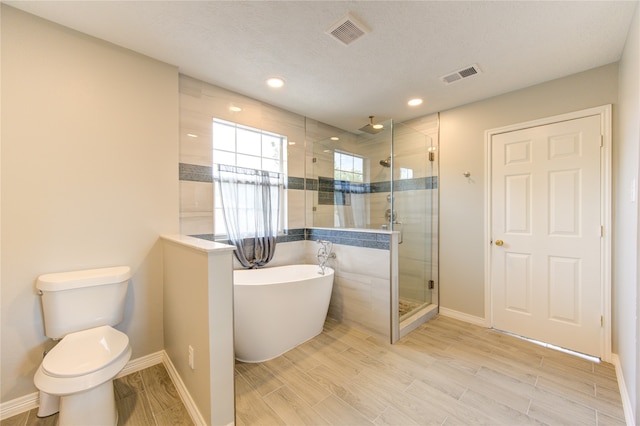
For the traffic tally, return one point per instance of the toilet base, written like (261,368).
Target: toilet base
(95,406)
(48,404)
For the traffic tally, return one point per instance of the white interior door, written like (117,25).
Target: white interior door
(546,230)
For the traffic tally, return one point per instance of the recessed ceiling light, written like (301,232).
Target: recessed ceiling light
(335,138)
(234,108)
(415,102)
(292,143)
(275,82)
(192,135)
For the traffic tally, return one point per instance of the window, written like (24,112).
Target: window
(406,173)
(251,148)
(348,167)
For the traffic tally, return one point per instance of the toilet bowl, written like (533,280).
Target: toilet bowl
(80,369)
(76,376)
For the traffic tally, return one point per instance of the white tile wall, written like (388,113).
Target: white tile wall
(295,208)
(361,288)
(196,208)
(199,104)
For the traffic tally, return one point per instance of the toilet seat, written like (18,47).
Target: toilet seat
(67,369)
(85,351)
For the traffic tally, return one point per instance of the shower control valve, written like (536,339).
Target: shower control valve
(324,254)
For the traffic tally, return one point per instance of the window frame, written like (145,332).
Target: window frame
(218,215)
(354,156)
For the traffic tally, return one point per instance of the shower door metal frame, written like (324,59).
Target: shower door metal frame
(394,267)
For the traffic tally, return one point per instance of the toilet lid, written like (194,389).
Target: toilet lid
(84,352)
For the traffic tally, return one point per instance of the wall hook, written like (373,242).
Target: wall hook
(467,174)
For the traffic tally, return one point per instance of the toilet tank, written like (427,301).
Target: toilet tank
(78,300)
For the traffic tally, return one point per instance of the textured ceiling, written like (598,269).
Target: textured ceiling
(411,45)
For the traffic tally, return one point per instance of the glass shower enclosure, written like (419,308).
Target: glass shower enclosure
(387,180)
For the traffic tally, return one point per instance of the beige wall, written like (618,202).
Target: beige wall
(89,178)
(462,221)
(626,152)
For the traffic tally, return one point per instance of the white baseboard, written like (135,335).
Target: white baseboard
(188,402)
(142,363)
(19,405)
(462,316)
(624,394)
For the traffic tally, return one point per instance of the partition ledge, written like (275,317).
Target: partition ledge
(197,243)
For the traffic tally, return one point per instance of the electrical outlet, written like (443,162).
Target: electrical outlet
(191,363)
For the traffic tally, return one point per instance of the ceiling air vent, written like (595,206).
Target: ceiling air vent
(348,29)
(460,74)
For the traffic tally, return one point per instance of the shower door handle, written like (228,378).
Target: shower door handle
(401,226)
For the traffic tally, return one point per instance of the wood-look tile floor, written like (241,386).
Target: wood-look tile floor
(144,398)
(446,372)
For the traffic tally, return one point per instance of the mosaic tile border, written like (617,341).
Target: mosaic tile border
(329,185)
(289,236)
(196,173)
(295,182)
(376,240)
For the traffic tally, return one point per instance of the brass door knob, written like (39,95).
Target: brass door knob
(499,243)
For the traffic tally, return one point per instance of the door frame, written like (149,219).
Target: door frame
(604,112)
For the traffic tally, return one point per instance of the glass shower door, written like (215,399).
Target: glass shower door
(412,215)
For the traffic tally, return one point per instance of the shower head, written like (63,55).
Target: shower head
(372,128)
(386,163)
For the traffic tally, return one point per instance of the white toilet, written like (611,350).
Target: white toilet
(80,307)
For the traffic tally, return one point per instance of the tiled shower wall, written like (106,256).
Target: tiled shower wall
(364,205)
(200,103)
(362,283)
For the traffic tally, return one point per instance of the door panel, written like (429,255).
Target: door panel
(564,289)
(546,279)
(518,273)
(518,204)
(564,194)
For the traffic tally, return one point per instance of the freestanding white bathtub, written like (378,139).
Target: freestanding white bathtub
(276,309)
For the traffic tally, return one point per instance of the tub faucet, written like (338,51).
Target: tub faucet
(325,252)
